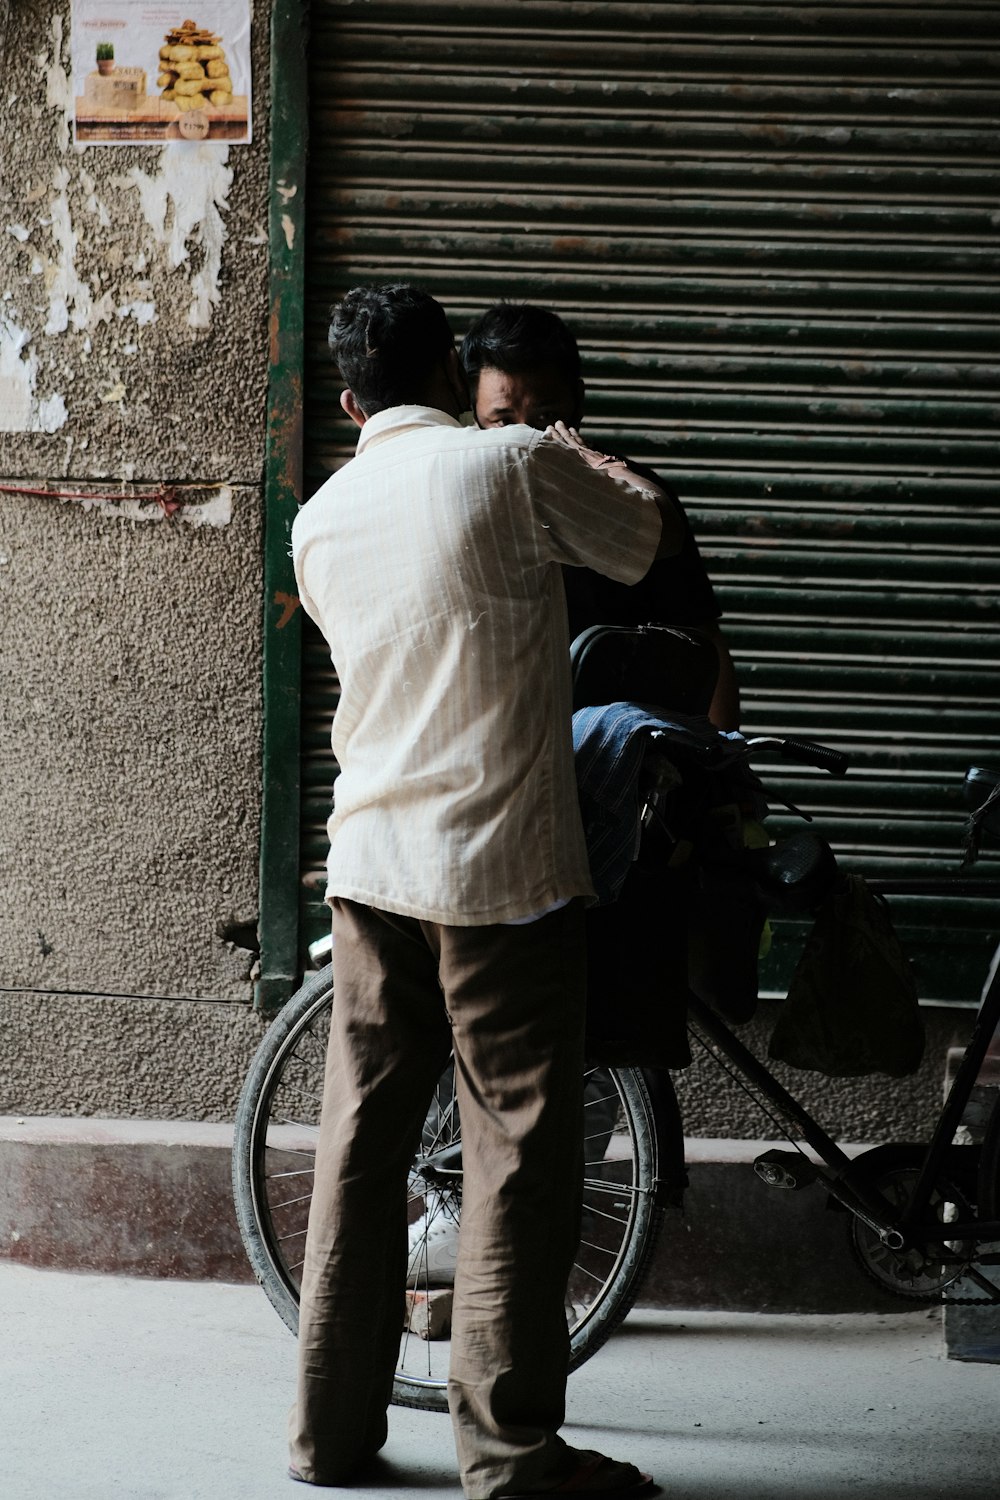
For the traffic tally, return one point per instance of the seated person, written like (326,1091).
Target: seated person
(523,365)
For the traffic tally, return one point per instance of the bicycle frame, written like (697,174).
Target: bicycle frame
(898,1229)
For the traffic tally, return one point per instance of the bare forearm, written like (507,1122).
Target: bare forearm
(724,711)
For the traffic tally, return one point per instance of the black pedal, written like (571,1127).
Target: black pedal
(785,1169)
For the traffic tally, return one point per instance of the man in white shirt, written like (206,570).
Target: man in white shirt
(457,876)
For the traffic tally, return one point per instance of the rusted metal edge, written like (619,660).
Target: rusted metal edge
(279,841)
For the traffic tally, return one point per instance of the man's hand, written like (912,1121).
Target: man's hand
(671,531)
(570,438)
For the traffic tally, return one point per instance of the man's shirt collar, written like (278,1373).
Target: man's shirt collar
(396,419)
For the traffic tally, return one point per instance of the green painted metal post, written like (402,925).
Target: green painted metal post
(279,843)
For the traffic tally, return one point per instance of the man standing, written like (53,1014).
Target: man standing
(457,875)
(523,365)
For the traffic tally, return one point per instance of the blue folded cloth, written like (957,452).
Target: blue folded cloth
(610,741)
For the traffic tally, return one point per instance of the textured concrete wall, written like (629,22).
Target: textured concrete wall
(133,356)
(129,776)
(123,1057)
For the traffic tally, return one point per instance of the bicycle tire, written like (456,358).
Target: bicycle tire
(276,1122)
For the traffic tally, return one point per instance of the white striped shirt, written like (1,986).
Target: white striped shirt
(431,564)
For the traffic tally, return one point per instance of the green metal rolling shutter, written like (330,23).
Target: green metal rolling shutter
(775,230)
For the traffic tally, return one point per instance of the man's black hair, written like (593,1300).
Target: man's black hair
(517,338)
(387,341)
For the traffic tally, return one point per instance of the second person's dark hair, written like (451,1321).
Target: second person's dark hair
(516,337)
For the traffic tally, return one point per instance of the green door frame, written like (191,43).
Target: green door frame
(282,669)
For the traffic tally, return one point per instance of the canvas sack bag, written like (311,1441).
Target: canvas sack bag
(852,1003)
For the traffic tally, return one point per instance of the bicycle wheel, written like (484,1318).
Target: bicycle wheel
(273,1153)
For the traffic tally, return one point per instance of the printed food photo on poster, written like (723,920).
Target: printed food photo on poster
(145,73)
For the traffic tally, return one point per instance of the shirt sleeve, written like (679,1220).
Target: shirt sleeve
(300,551)
(591,519)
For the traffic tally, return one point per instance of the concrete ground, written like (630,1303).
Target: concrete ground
(119,1389)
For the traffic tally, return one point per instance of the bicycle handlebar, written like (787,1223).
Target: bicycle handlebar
(713,756)
(803,752)
(807,752)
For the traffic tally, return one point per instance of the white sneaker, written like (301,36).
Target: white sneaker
(433,1246)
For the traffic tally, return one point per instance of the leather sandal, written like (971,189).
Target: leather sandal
(597,1478)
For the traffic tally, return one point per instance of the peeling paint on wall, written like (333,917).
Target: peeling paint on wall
(142,312)
(58,91)
(196,505)
(92,203)
(20,410)
(69,297)
(132,281)
(215,511)
(184,204)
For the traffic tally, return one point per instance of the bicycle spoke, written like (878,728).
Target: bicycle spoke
(290,1203)
(585,1271)
(599,1249)
(603,1214)
(296,1124)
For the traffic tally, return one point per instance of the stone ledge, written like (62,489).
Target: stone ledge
(139,1197)
(153,1198)
(74,1130)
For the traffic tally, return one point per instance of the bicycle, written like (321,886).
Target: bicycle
(919,1217)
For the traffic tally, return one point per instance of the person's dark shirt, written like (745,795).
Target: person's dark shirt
(676,590)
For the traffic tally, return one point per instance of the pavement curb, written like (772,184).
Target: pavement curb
(154,1198)
(136,1197)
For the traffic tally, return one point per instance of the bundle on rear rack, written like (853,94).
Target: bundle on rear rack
(686,876)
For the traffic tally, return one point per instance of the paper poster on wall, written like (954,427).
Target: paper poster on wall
(145,72)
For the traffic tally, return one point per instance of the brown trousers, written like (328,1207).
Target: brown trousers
(510,1001)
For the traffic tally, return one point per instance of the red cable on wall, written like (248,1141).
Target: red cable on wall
(165,498)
